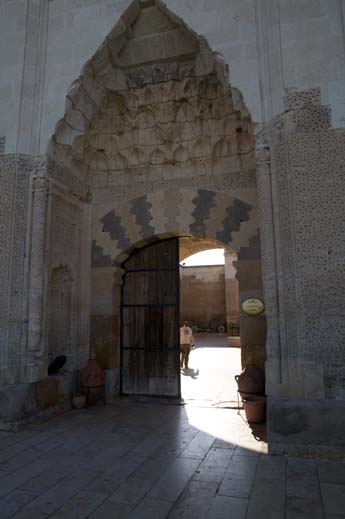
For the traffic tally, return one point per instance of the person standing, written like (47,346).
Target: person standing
(186,340)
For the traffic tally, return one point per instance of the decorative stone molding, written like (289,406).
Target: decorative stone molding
(15,171)
(269,268)
(35,344)
(308,182)
(206,213)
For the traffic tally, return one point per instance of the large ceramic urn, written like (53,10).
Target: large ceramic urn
(92,375)
(92,379)
(251,380)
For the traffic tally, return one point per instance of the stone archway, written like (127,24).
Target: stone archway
(227,220)
(154,142)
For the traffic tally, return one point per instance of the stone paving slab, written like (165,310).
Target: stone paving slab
(155,461)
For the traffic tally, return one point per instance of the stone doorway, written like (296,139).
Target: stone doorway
(151,146)
(107,341)
(209,302)
(152,298)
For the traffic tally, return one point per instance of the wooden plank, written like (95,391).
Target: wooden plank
(150,341)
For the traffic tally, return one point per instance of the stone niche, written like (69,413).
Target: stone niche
(61,294)
(63,317)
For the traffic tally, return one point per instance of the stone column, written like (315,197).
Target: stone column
(269,268)
(84,302)
(37,362)
(231,292)
(117,287)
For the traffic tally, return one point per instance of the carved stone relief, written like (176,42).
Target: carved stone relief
(308,161)
(60,312)
(65,275)
(14,182)
(7,188)
(185,131)
(36,346)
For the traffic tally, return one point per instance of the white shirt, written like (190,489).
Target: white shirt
(186,335)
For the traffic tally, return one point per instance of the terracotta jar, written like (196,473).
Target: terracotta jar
(92,380)
(78,401)
(251,380)
(92,375)
(255,408)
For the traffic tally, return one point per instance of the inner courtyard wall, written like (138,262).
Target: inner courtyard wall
(202,296)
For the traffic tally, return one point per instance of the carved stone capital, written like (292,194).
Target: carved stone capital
(262,154)
(40,184)
(40,165)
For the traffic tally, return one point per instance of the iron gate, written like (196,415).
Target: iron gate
(150,321)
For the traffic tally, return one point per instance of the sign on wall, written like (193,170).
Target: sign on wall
(253,306)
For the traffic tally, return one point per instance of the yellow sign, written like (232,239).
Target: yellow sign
(253,306)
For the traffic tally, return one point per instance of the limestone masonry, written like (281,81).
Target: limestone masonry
(126,122)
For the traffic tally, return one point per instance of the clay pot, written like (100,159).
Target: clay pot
(92,375)
(92,380)
(255,408)
(251,380)
(78,401)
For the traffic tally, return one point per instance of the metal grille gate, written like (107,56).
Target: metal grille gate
(150,321)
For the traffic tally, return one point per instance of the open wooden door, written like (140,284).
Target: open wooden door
(150,321)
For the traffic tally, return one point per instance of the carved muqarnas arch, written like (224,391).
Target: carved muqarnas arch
(150,71)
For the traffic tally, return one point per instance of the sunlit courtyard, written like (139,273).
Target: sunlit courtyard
(213,366)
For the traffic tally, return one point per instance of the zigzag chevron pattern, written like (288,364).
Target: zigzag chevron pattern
(215,215)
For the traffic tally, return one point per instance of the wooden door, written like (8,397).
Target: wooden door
(150,321)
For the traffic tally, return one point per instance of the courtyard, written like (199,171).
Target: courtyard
(210,380)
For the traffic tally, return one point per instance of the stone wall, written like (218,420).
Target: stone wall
(307,182)
(287,60)
(12,44)
(309,163)
(14,184)
(68,278)
(202,296)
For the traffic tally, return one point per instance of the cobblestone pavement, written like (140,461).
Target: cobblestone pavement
(150,460)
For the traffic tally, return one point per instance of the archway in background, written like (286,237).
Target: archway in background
(209,302)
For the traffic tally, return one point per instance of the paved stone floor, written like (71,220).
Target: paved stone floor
(210,381)
(150,461)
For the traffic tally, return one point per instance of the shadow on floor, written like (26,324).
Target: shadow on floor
(189,372)
(258,430)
